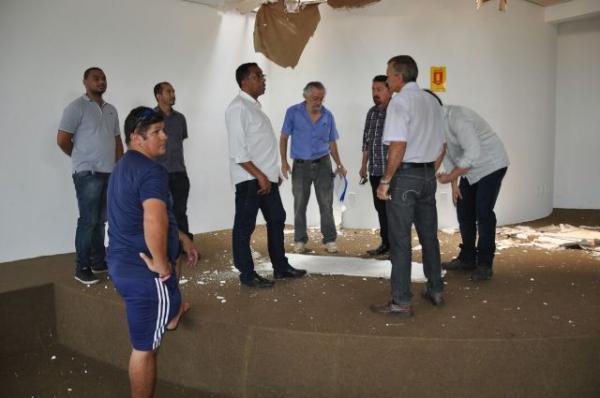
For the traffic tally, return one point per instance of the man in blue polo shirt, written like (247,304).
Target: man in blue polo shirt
(314,135)
(144,244)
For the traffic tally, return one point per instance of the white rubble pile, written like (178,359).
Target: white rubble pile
(551,237)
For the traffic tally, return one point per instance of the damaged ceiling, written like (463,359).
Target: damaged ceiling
(283,27)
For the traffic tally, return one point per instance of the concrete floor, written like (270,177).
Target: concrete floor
(534,330)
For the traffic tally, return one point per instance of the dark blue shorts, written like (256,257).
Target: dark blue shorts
(150,305)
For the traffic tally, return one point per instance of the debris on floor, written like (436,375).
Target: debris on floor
(551,237)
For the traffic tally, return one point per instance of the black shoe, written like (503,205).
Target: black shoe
(458,265)
(382,249)
(100,269)
(289,272)
(482,273)
(86,276)
(257,281)
(404,310)
(436,299)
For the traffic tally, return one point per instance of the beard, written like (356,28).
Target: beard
(98,91)
(377,100)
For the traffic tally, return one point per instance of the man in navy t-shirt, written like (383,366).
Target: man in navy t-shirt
(144,243)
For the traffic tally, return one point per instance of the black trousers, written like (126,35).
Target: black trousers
(381,212)
(179,184)
(476,216)
(247,204)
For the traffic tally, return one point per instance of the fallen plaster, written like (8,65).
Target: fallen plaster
(551,237)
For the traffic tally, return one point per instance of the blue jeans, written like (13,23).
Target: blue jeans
(247,203)
(90,188)
(413,201)
(304,174)
(475,212)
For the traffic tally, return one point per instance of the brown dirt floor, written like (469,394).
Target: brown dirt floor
(534,294)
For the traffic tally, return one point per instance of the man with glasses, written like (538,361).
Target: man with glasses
(254,166)
(89,133)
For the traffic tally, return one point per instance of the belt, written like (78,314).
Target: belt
(310,161)
(411,165)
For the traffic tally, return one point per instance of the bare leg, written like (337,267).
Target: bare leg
(142,373)
(185,307)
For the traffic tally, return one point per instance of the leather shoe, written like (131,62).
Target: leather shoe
(458,265)
(257,281)
(288,272)
(382,249)
(436,299)
(482,273)
(403,310)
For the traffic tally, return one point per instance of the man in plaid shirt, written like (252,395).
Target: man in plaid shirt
(375,154)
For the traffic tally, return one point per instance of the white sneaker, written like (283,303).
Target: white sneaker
(331,247)
(299,247)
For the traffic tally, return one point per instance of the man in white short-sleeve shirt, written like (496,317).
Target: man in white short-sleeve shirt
(254,166)
(415,135)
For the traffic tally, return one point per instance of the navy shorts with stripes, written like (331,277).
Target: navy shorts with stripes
(150,305)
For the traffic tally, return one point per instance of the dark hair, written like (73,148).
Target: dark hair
(159,87)
(434,96)
(406,66)
(310,85)
(139,119)
(243,72)
(89,70)
(380,79)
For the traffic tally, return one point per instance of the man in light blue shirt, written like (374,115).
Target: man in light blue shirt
(314,135)
(476,155)
(89,133)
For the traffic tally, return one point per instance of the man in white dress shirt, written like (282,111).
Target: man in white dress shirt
(414,132)
(476,155)
(254,166)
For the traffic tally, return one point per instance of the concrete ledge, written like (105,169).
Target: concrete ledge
(27,319)
(248,361)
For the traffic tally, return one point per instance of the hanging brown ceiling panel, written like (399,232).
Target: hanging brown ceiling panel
(349,3)
(282,36)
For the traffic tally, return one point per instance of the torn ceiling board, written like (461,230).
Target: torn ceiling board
(241,6)
(350,3)
(282,36)
(502,4)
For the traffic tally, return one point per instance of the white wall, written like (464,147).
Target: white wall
(495,62)
(576,180)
